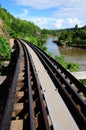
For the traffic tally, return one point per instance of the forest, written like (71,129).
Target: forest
(72,37)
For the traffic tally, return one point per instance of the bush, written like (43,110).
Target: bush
(61,61)
(73,67)
(83,81)
(67,65)
(38,41)
(5,50)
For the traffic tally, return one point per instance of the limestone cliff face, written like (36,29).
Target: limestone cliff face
(3,30)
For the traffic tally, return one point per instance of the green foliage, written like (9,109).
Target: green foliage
(61,61)
(73,67)
(83,81)
(67,65)
(38,41)
(32,40)
(24,28)
(74,36)
(16,27)
(49,53)
(5,50)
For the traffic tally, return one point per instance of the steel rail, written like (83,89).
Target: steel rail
(6,119)
(63,70)
(80,116)
(67,95)
(44,113)
(43,108)
(64,81)
(67,74)
(60,75)
(7,116)
(31,113)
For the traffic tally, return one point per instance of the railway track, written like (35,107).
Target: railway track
(26,106)
(70,89)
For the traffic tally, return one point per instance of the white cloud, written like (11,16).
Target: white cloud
(68,13)
(25,11)
(24,14)
(51,22)
(68,22)
(77,9)
(64,8)
(59,23)
(75,21)
(45,4)
(42,22)
(39,4)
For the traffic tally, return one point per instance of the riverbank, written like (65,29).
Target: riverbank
(82,47)
(71,54)
(64,45)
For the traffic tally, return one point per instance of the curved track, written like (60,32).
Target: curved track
(71,90)
(25,107)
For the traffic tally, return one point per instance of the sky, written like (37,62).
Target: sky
(48,14)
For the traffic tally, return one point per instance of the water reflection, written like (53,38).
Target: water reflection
(52,47)
(76,55)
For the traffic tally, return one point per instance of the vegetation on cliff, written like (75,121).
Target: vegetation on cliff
(17,27)
(5,51)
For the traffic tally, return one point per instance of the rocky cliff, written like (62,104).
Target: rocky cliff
(3,30)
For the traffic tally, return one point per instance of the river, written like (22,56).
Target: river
(71,54)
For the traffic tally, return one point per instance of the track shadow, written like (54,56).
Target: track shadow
(7,71)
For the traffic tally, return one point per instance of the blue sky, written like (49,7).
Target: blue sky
(49,14)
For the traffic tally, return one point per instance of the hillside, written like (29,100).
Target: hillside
(15,26)
(3,31)
(11,27)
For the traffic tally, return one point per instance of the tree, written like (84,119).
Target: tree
(76,26)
